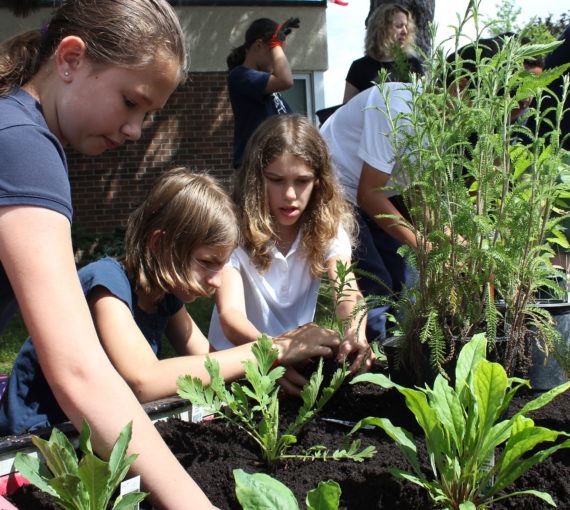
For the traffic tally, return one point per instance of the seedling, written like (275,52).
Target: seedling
(254,407)
(262,491)
(87,484)
(463,426)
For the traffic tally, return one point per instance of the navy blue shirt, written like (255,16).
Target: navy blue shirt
(28,403)
(251,105)
(33,170)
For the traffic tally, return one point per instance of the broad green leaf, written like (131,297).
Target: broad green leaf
(85,438)
(260,491)
(422,482)
(448,409)
(325,496)
(427,419)
(471,354)
(539,494)
(58,458)
(402,437)
(94,475)
(118,454)
(467,505)
(490,384)
(522,442)
(505,478)
(129,501)
(36,472)
(543,399)
(378,379)
(69,489)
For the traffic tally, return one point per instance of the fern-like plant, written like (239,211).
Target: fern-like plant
(254,407)
(480,190)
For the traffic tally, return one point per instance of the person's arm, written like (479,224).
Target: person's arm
(349,92)
(230,301)
(151,378)
(354,341)
(373,201)
(185,336)
(281,78)
(36,253)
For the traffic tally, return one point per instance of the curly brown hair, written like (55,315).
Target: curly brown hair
(326,210)
(378,44)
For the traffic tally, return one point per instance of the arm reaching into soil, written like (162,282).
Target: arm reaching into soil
(36,252)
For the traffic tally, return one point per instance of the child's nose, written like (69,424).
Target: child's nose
(214,279)
(132,128)
(290,192)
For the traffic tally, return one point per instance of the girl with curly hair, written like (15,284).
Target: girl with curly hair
(390,31)
(295,225)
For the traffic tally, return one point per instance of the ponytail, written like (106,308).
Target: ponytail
(19,60)
(236,57)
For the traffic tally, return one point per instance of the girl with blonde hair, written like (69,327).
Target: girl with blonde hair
(295,226)
(176,244)
(390,29)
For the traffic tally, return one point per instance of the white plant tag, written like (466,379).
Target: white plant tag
(199,413)
(131,485)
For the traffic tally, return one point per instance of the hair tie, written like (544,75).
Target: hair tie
(44,29)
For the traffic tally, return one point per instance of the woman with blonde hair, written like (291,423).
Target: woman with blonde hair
(390,30)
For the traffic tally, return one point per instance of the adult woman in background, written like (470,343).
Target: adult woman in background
(390,29)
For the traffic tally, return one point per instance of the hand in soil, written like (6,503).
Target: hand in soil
(307,341)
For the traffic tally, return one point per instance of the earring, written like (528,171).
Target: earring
(66,73)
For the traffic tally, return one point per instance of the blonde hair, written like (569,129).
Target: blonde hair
(378,42)
(326,210)
(189,210)
(127,33)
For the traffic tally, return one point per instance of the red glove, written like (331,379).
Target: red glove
(282,31)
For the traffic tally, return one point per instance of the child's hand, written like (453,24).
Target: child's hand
(359,347)
(292,382)
(304,342)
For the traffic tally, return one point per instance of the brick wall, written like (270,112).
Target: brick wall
(194,129)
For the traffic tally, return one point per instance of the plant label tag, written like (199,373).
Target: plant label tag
(200,413)
(131,485)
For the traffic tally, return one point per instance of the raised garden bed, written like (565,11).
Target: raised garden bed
(211,451)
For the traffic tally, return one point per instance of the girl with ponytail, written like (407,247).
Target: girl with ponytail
(258,71)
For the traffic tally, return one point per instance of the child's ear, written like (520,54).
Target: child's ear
(154,239)
(69,56)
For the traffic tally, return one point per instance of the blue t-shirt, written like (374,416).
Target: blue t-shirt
(33,170)
(28,403)
(251,105)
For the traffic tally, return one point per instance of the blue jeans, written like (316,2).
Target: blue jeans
(376,253)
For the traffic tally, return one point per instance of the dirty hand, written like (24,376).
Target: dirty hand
(292,382)
(356,346)
(282,31)
(304,342)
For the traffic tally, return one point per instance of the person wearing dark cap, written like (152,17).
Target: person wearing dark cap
(258,71)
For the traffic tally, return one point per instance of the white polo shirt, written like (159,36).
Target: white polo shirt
(283,297)
(359,132)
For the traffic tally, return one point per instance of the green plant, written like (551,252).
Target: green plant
(87,484)
(463,426)
(480,189)
(254,407)
(262,491)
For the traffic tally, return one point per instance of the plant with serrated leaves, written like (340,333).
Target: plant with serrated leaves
(258,490)
(254,406)
(85,484)
(463,426)
(481,191)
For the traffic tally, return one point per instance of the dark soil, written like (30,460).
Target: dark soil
(211,451)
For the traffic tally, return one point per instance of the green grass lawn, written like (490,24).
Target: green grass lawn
(15,333)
